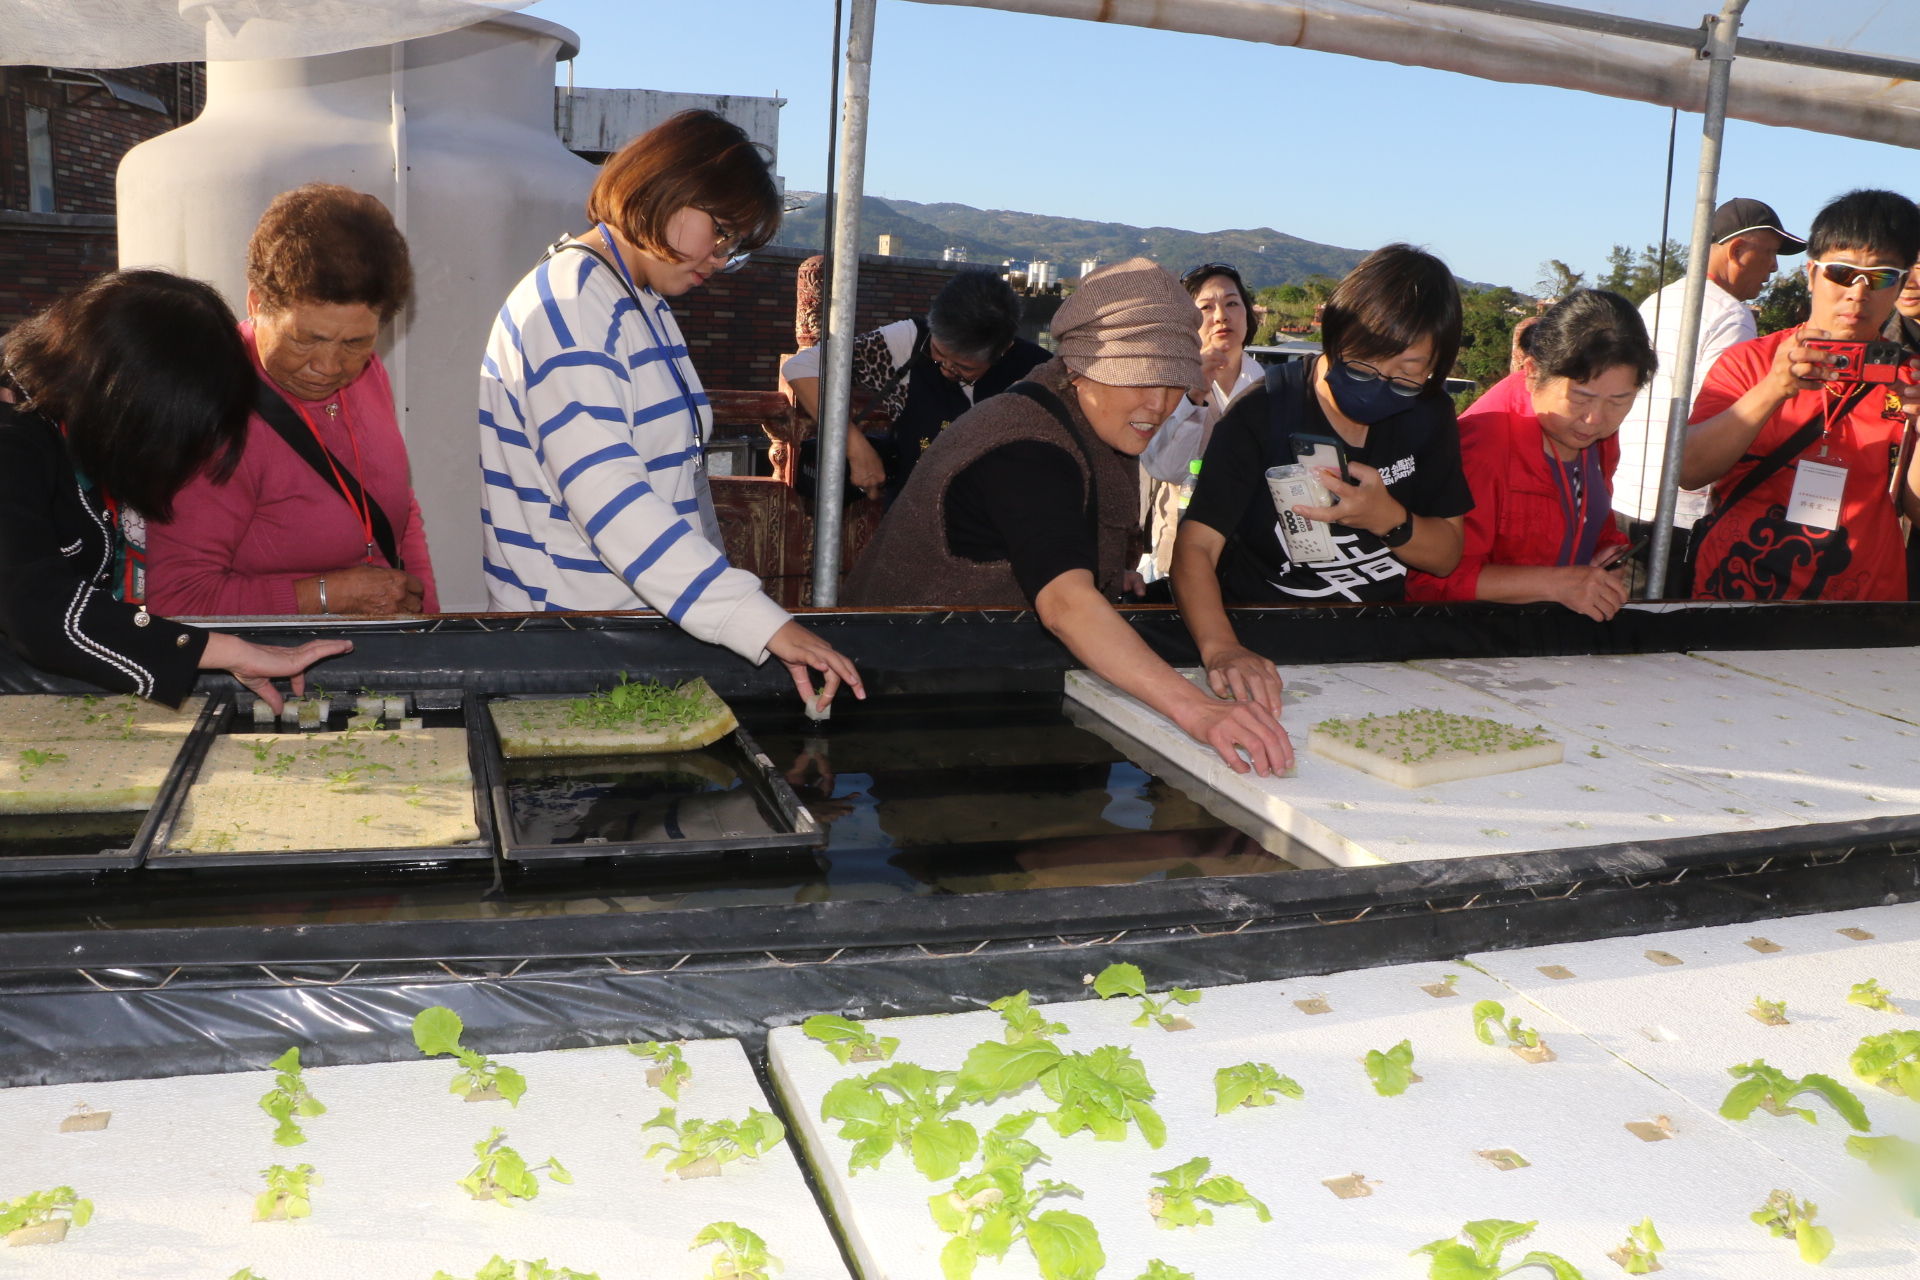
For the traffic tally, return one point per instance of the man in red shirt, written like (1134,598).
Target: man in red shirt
(1805,501)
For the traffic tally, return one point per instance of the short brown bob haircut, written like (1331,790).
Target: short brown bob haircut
(145,372)
(331,244)
(695,159)
(1395,297)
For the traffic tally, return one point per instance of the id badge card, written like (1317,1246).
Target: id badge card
(1817,488)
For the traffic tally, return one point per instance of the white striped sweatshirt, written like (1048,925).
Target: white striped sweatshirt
(593,495)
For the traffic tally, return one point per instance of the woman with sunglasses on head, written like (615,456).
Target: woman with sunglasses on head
(593,421)
(1389,335)
(1541,468)
(1800,455)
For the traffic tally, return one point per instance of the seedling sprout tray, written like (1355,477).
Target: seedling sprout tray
(724,798)
(86,842)
(224,719)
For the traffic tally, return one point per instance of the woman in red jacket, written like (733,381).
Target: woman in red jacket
(1541,471)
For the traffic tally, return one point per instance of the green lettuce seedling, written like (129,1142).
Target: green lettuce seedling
(1891,1061)
(1640,1254)
(1480,1259)
(1772,1090)
(248,1273)
(1025,1024)
(32,760)
(1251,1084)
(1392,1070)
(288,1195)
(503,1174)
(988,1212)
(39,1208)
(437,1031)
(644,702)
(1896,1158)
(1177,1203)
(670,1069)
(498,1268)
(847,1040)
(1490,1014)
(1100,1091)
(1871,995)
(1771,1012)
(721,1141)
(1127,980)
(902,1105)
(743,1254)
(1158,1270)
(288,1098)
(1782,1215)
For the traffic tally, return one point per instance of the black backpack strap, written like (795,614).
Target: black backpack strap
(1773,463)
(1052,404)
(279,415)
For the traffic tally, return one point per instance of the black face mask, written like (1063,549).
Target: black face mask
(1365,401)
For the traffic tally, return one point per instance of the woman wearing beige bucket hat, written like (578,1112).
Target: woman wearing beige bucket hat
(1033,498)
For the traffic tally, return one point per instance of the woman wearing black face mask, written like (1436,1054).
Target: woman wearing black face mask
(1389,335)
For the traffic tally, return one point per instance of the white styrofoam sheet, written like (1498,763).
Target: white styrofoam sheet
(1588,1181)
(1880,680)
(1797,756)
(1686,1024)
(174,1176)
(1355,819)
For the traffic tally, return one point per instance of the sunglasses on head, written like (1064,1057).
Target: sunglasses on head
(1846,274)
(1206,269)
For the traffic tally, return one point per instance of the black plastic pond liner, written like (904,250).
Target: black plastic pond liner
(142,1001)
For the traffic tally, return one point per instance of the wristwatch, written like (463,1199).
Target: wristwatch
(1400,534)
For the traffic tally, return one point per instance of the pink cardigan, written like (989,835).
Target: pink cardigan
(237,548)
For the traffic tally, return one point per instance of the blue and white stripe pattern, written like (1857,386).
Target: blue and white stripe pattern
(593,496)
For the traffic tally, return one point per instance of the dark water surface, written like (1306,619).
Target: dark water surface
(923,796)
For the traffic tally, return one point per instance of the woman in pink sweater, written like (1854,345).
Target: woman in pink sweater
(293,530)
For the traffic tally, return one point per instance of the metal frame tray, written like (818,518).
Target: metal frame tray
(128,857)
(152,845)
(775,796)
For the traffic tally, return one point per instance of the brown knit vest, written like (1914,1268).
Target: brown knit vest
(908,561)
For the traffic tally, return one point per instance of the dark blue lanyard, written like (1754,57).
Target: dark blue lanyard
(673,365)
(1572,506)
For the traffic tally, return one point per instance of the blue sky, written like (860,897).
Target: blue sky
(1081,119)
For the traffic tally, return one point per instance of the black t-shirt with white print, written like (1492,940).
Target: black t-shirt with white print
(1416,451)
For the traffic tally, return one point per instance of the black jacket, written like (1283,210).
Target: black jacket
(56,563)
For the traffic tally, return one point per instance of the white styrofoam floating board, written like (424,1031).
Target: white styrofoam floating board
(173,1176)
(1675,1005)
(1596,795)
(1800,757)
(1588,1179)
(1880,680)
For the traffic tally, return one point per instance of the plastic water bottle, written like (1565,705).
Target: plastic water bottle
(1188,485)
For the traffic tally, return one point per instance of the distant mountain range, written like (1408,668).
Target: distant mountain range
(991,236)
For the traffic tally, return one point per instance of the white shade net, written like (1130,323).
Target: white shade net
(126,33)
(1591,49)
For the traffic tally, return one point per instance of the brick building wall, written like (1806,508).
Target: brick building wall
(46,252)
(739,326)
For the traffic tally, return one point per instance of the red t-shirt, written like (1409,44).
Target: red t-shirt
(1752,551)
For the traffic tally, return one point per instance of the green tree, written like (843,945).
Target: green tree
(1637,276)
(1784,302)
(1486,332)
(1557,279)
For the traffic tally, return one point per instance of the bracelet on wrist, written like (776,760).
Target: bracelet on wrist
(321,585)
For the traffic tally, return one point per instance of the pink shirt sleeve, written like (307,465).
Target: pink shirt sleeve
(192,557)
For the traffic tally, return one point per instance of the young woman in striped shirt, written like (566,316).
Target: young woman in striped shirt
(592,418)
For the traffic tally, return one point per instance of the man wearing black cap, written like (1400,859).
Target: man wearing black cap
(1747,242)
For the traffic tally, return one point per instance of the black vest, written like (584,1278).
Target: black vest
(933,401)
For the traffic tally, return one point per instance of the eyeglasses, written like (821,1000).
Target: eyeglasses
(1846,274)
(1206,269)
(965,372)
(1361,371)
(725,242)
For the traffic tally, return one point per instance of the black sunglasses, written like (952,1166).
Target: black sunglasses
(1206,269)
